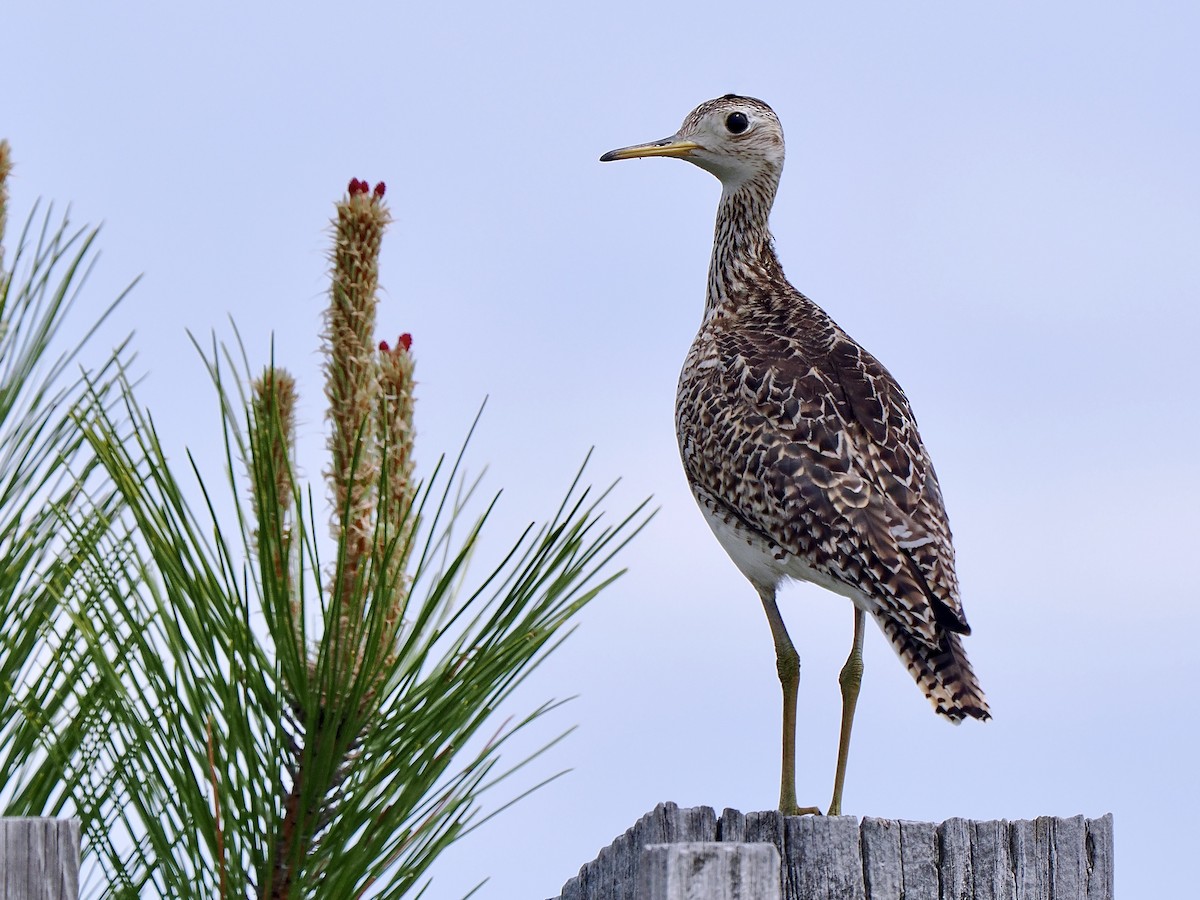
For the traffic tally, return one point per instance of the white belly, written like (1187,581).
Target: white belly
(766,566)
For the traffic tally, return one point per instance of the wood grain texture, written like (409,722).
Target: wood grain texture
(840,858)
(613,874)
(918,860)
(709,870)
(39,859)
(824,857)
(882,864)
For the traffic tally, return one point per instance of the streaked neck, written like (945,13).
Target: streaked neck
(743,250)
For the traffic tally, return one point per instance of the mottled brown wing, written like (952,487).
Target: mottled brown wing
(811,440)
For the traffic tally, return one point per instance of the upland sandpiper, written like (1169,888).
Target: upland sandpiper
(801,448)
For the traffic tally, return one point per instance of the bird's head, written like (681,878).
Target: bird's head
(738,139)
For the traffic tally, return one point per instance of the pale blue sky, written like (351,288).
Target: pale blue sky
(1001,201)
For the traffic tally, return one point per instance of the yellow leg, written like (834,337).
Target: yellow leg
(850,680)
(787,663)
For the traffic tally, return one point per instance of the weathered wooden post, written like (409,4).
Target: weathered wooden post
(711,871)
(841,858)
(39,859)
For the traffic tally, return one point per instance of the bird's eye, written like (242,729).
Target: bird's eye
(737,122)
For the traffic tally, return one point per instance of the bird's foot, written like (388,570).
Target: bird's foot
(794,810)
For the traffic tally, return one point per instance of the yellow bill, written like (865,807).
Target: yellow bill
(671,146)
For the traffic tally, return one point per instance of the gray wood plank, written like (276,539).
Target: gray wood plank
(767,826)
(39,859)
(731,826)
(1068,858)
(954,863)
(1027,880)
(1099,843)
(991,860)
(709,871)
(919,861)
(881,859)
(823,858)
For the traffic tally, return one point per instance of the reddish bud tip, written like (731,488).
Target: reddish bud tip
(383,347)
(379,189)
(406,340)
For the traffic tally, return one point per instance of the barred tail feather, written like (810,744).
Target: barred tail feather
(943,673)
